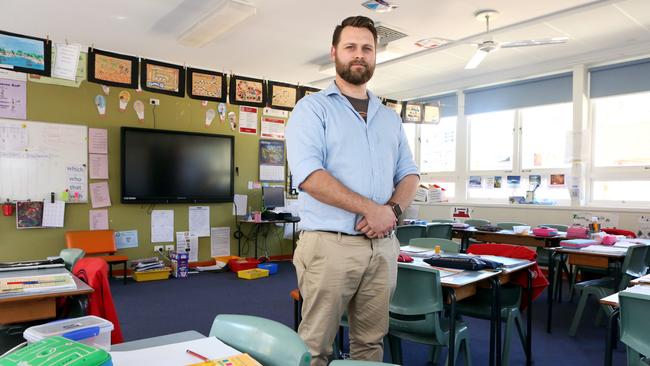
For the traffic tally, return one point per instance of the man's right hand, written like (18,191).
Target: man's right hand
(377,222)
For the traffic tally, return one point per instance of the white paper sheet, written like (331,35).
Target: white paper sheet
(97,141)
(99,195)
(162,226)
(200,220)
(241,202)
(98,166)
(248,120)
(53,213)
(66,61)
(272,173)
(272,128)
(98,219)
(219,241)
(174,354)
(126,239)
(185,240)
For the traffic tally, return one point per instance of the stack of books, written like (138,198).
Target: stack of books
(147,264)
(421,194)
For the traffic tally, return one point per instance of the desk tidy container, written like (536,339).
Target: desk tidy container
(152,275)
(271,267)
(241,264)
(251,274)
(90,330)
(57,351)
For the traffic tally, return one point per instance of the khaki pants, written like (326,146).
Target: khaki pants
(338,273)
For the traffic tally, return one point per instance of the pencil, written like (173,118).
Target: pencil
(203,358)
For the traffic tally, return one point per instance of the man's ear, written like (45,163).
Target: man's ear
(333,53)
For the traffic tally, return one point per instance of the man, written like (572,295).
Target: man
(349,155)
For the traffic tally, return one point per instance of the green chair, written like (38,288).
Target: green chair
(416,314)
(634,325)
(443,221)
(544,258)
(477,222)
(557,227)
(71,256)
(634,266)
(405,233)
(446,245)
(439,230)
(267,341)
(358,363)
(509,225)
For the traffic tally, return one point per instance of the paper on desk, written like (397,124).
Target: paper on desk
(53,213)
(174,354)
(185,241)
(162,226)
(98,166)
(97,141)
(99,195)
(219,241)
(241,200)
(200,220)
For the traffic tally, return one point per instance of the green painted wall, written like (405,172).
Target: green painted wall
(60,104)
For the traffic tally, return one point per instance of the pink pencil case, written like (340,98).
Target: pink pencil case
(577,232)
(544,231)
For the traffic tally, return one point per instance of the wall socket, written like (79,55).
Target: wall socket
(170,248)
(158,248)
(154,101)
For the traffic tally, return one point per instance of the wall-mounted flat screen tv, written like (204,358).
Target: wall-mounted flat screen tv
(160,166)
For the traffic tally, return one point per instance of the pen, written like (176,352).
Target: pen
(30,282)
(203,358)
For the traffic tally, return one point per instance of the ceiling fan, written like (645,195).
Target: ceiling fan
(490,45)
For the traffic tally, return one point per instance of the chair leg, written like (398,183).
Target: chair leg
(578,314)
(467,352)
(521,331)
(395,349)
(435,354)
(124,275)
(296,315)
(574,276)
(505,358)
(633,357)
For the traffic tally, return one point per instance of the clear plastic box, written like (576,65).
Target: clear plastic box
(90,330)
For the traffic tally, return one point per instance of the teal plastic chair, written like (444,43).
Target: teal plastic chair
(358,363)
(634,325)
(446,245)
(439,230)
(71,256)
(416,314)
(544,258)
(267,341)
(477,222)
(509,225)
(405,233)
(634,266)
(443,221)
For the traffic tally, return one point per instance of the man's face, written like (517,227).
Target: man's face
(354,56)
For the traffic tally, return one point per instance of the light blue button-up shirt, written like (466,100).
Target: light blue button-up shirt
(325,132)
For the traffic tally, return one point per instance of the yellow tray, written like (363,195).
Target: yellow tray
(251,274)
(153,275)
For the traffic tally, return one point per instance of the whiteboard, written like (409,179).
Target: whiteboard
(38,158)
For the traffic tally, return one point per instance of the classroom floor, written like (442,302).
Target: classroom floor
(161,307)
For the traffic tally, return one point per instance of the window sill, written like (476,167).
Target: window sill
(538,207)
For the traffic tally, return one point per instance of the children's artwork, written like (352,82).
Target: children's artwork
(113,69)
(535,180)
(413,113)
(161,77)
(13,95)
(461,212)
(106,89)
(232,120)
(221,108)
(513,180)
(557,180)
(498,181)
(25,54)
(394,105)
(138,107)
(124,96)
(29,214)
(431,114)
(474,181)
(100,103)
(206,85)
(304,91)
(272,160)
(247,91)
(283,96)
(209,116)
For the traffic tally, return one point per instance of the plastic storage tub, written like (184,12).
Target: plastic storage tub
(271,267)
(251,274)
(241,264)
(152,275)
(90,330)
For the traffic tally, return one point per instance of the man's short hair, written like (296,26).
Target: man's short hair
(358,21)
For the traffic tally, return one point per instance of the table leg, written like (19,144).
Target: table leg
(529,319)
(549,300)
(495,323)
(257,232)
(611,338)
(239,239)
(452,328)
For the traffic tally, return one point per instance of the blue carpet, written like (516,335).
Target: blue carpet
(156,308)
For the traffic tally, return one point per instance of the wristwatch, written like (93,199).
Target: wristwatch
(396,209)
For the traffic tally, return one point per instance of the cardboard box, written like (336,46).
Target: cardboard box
(180,264)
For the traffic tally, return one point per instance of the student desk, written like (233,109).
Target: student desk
(163,340)
(505,237)
(24,307)
(257,227)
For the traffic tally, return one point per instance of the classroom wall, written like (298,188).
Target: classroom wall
(59,104)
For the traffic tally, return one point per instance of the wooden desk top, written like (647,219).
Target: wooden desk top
(82,287)
(644,280)
(455,280)
(587,252)
(611,300)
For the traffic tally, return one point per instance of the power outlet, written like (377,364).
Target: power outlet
(170,248)
(154,101)
(158,249)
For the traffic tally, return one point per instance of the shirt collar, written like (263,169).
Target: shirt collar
(373,101)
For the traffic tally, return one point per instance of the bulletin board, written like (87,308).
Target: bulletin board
(38,158)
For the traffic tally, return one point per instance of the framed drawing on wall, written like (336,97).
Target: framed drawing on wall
(206,85)
(394,105)
(112,69)
(304,91)
(247,91)
(161,77)
(281,95)
(412,112)
(25,54)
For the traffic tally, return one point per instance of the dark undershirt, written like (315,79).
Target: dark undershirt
(359,105)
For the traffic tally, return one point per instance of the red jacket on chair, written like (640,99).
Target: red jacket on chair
(94,272)
(515,251)
(615,231)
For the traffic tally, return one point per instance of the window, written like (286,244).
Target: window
(438,146)
(409,130)
(622,191)
(546,137)
(491,140)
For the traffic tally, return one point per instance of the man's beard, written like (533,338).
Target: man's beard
(354,77)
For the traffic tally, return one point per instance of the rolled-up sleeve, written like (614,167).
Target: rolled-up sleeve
(305,139)
(405,163)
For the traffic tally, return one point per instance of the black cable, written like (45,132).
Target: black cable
(154,116)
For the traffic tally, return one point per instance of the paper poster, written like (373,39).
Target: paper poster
(557,180)
(474,181)
(272,112)
(98,219)
(162,226)
(98,166)
(513,180)
(29,214)
(200,220)
(80,75)
(271,159)
(272,128)
(99,196)
(606,219)
(13,99)
(66,60)
(644,227)
(489,182)
(498,182)
(248,120)
(97,141)
(77,183)
(185,241)
(535,180)
(240,203)
(53,213)
(219,241)
(126,239)
(272,173)
(461,212)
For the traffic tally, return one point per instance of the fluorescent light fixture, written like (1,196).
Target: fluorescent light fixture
(384,54)
(220,20)
(476,59)
(379,6)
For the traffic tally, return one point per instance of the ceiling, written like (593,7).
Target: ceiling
(288,40)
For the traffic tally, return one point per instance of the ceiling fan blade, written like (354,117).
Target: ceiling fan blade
(534,42)
(476,59)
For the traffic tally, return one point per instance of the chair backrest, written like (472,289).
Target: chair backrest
(358,363)
(634,265)
(92,241)
(269,342)
(71,256)
(417,305)
(444,221)
(405,233)
(477,222)
(439,230)
(509,225)
(635,321)
(446,245)
(557,227)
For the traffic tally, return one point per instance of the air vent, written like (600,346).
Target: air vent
(386,35)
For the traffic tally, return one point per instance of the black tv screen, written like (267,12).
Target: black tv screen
(160,166)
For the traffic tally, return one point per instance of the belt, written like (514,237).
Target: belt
(338,232)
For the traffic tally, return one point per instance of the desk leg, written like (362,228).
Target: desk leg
(495,323)
(529,319)
(464,241)
(611,336)
(451,346)
(549,300)
(257,232)
(239,239)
